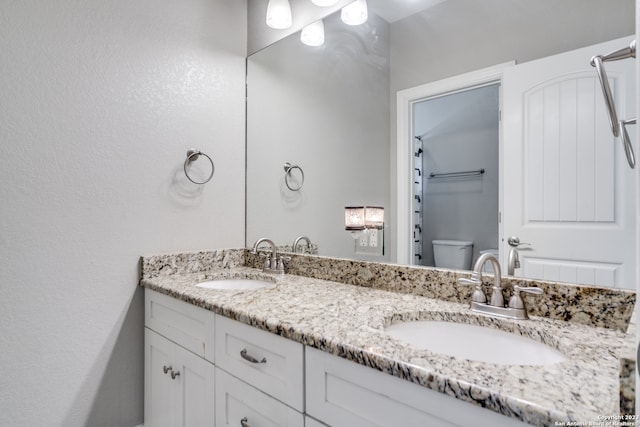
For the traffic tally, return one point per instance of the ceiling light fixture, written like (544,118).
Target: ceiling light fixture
(355,13)
(279,14)
(313,34)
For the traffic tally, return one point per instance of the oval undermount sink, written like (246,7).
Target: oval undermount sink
(474,342)
(235,284)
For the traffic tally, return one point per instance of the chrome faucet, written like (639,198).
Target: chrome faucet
(516,308)
(295,243)
(513,262)
(497,299)
(273,263)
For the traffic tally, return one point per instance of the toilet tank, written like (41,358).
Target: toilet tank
(454,254)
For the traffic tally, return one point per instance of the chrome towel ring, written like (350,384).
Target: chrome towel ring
(288,167)
(192,156)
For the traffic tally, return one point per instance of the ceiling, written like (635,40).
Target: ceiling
(394,10)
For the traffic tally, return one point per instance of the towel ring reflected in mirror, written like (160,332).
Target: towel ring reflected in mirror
(288,167)
(192,156)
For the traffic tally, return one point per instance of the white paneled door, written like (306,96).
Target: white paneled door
(568,191)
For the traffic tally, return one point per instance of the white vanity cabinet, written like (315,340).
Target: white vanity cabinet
(344,394)
(264,380)
(258,376)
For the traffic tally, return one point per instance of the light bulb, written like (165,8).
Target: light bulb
(279,14)
(313,34)
(355,13)
(324,3)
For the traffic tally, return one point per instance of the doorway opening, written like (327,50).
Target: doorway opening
(405,247)
(456,183)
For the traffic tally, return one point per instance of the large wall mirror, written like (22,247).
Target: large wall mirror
(322,122)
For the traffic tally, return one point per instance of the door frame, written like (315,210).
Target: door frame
(404,250)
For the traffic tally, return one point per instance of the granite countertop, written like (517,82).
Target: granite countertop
(348,321)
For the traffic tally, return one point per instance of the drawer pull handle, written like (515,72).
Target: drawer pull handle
(250,358)
(166,368)
(175,374)
(244,422)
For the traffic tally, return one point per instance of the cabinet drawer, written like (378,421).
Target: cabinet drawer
(266,361)
(185,324)
(239,404)
(343,393)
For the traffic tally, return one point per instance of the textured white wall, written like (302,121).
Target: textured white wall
(99,101)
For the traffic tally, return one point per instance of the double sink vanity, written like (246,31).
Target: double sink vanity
(348,343)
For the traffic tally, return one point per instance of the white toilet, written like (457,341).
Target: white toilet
(454,254)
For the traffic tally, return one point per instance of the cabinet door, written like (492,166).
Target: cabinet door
(239,404)
(194,381)
(159,404)
(179,386)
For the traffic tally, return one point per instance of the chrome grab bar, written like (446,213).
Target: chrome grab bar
(597,62)
(624,53)
(456,174)
(617,126)
(628,148)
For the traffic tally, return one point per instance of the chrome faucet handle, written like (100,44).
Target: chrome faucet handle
(476,280)
(530,289)
(516,300)
(281,261)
